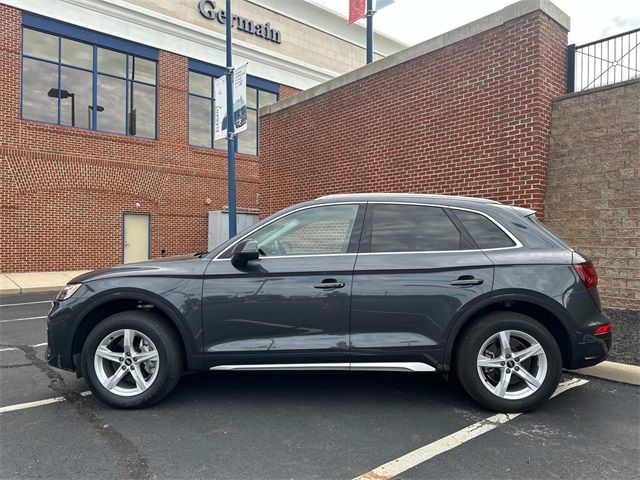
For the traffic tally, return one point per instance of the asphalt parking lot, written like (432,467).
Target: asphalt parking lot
(228,425)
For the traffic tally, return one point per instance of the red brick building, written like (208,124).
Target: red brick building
(466,113)
(105,121)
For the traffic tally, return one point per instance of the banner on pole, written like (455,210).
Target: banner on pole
(356,10)
(239,102)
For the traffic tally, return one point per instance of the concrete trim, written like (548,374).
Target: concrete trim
(617,372)
(611,86)
(509,13)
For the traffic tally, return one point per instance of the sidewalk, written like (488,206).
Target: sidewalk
(11,283)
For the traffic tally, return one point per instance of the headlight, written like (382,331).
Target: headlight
(68,291)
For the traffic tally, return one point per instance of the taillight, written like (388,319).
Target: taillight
(587,273)
(602,329)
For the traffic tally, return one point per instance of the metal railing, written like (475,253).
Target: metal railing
(603,62)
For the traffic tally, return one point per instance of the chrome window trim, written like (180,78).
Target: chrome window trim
(513,238)
(217,257)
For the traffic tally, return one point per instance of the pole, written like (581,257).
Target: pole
(231,127)
(73,109)
(369,31)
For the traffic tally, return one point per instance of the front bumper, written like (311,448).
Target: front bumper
(59,338)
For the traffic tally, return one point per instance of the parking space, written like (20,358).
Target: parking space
(313,425)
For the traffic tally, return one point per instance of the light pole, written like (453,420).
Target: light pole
(99,108)
(53,93)
(369,15)
(231,128)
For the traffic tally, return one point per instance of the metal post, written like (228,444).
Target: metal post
(369,31)
(231,127)
(571,67)
(73,109)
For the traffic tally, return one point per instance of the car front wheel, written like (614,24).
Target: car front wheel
(508,362)
(132,359)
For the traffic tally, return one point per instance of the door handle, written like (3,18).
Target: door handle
(329,283)
(466,281)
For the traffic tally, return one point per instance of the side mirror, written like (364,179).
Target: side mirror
(244,252)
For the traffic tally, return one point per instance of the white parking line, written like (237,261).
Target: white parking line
(422,454)
(25,303)
(37,403)
(21,319)
(10,349)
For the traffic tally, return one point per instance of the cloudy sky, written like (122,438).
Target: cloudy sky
(413,21)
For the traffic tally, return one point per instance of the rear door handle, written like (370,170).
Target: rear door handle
(329,283)
(466,281)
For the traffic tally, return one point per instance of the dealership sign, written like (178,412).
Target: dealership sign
(263,30)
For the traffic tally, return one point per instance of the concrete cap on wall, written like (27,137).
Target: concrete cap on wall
(508,13)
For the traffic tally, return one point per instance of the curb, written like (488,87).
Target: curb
(617,372)
(18,290)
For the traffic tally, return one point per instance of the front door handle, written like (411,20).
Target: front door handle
(466,281)
(329,283)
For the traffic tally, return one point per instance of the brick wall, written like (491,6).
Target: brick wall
(63,191)
(593,194)
(471,118)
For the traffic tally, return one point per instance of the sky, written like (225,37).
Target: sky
(413,21)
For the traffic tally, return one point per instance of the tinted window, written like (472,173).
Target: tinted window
(314,231)
(485,233)
(412,228)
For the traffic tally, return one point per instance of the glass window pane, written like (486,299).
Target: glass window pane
(76,86)
(141,69)
(111,97)
(199,121)
(319,230)
(76,53)
(41,45)
(484,232)
(142,110)
(409,228)
(252,97)
(267,98)
(199,84)
(37,79)
(111,62)
(249,138)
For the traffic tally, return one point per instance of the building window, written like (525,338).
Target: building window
(201,111)
(80,84)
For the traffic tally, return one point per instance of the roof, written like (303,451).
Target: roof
(414,196)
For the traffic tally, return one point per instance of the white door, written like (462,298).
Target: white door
(136,237)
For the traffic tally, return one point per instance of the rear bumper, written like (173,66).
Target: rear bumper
(591,352)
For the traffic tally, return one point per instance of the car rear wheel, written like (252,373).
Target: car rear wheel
(132,359)
(508,362)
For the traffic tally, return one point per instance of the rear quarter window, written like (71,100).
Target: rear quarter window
(484,232)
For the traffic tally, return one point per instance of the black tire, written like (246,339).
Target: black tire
(169,349)
(473,339)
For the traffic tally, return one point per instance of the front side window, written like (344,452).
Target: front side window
(314,231)
(202,108)
(412,228)
(61,83)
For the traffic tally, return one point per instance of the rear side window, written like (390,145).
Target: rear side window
(484,232)
(412,228)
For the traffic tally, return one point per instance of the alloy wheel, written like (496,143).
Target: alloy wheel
(512,364)
(126,362)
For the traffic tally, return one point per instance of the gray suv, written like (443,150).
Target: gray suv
(367,282)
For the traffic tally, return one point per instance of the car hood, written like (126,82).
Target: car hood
(191,264)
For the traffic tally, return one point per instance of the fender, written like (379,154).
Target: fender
(520,295)
(166,307)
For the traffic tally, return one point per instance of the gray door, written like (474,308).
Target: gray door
(413,275)
(291,305)
(219,226)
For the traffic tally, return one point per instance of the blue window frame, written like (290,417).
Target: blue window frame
(79,78)
(260,93)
